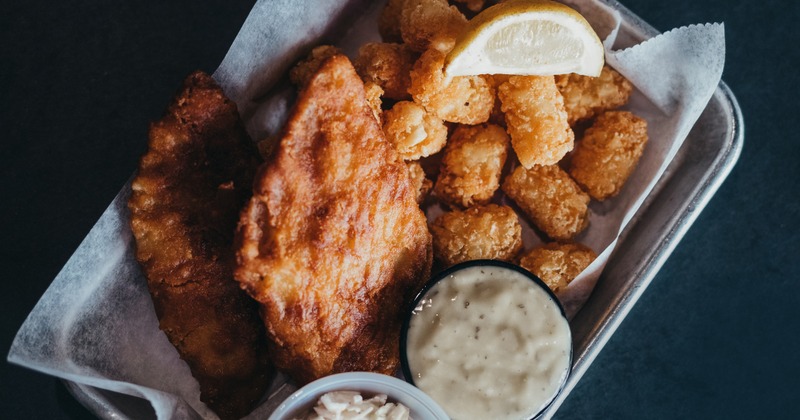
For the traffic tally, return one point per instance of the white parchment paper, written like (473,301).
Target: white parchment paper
(95,325)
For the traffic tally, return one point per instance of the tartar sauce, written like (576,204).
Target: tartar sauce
(488,342)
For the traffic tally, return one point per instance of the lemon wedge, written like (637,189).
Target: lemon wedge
(526,37)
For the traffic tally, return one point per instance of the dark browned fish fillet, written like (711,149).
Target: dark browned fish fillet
(191,184)
(333,243)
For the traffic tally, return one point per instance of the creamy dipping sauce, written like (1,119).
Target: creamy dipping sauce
(488,342)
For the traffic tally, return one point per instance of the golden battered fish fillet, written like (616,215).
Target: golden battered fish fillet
(191,184)
(333,243)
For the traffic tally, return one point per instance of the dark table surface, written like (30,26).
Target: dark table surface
(714,336)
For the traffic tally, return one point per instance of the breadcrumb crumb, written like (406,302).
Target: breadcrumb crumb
(373,93)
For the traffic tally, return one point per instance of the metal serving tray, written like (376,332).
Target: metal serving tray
(701,165)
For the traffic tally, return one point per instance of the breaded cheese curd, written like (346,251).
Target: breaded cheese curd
(473,160)
(586,96)
(557,264)
(460,99)
(550,199)
(481,232)
(414,132)
(536,119)
(608,153)
(387,65)
(430,23)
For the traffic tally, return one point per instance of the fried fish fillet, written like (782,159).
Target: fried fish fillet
(191,184)
(333,243)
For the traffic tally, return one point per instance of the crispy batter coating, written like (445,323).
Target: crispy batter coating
(430,23)
(497,116)
(536,119)
(419,182)
(471,166)
(557,264)
(307,67)
(608,153)
(481,232)
(387,65)
(186,197)
(550,198)
(462,99)
(414,132)
(373,93)
(333,243)
(389,21)
(266,146)
(586,96)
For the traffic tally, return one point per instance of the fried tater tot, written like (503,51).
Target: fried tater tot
(473,159)
(550,198)
(536,119)
(301,73)
(419,182)
(608,153)
(586,96)
(462,99)
(414,132)
(387,65)
(491,232)
(374,93)
(426,23)
(557,264)
(389,21)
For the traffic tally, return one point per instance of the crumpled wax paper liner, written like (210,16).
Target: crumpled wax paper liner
(95,325)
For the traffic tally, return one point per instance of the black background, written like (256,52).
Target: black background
(714,336)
